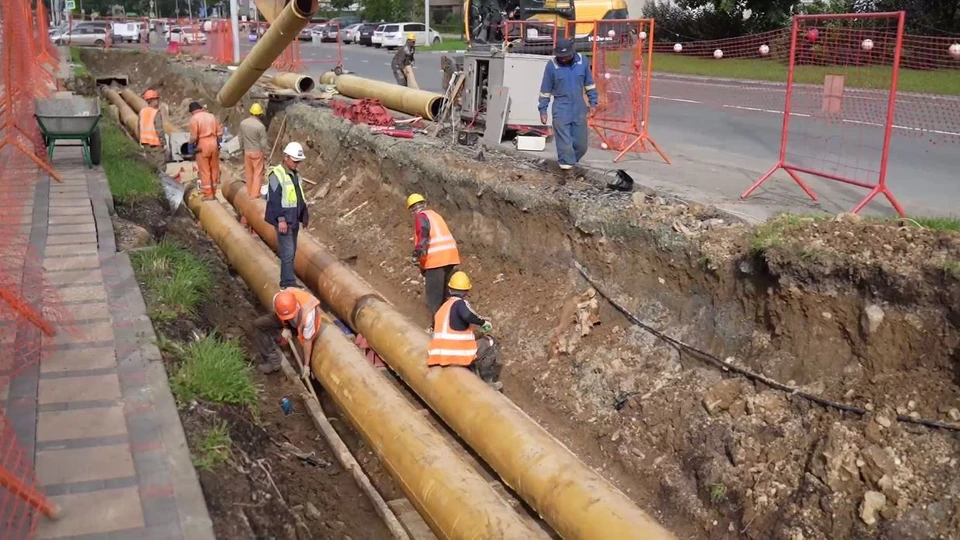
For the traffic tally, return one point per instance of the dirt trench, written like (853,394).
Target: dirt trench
(860,312)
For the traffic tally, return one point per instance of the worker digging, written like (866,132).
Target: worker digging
(455,342)
(206,134)
(565,80)
(434,251)
(402,63)
(287,209)
(295,310)
(253,142)
(151,136)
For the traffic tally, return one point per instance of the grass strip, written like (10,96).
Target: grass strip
(213,446)
(131,179)
(175,280)
(213,369)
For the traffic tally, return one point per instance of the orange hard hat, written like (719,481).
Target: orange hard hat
(286,305)
(151,94)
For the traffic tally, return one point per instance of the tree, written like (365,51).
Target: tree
(384,10)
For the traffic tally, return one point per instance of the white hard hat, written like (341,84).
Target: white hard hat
(295,151)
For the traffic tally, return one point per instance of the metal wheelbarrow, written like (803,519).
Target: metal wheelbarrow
(73,118)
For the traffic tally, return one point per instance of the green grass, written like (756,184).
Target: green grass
(176,280)
(79,69)
(771,233)
(718,493)
(213,446)
(131,179)
(928,82)
(216,370)
(939,223)
(952,268)
(452,45)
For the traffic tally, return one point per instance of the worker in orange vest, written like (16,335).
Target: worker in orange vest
(152,138)
(206,134)
(293,309)
(435,251)
(454,342)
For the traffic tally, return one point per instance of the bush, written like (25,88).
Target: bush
(214,370)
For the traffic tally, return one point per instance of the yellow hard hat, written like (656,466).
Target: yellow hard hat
(414,199)
(411,37)
(256,109)
(459,281)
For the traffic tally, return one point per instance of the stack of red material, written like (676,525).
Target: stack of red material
(365,111)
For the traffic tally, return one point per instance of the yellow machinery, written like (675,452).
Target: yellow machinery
(485,20)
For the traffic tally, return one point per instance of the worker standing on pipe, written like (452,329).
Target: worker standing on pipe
(287,209)
(206,134)
(402,63)
(297,310)
(565,79)
(253,141)
(435,251)
(454,342)
(150,124)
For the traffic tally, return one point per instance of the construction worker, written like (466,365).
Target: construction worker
(152,138)
(293,309)
(402,63)
(287,209)
(434,250)
(565,79)
(454,342)
(206,134)
(253,141)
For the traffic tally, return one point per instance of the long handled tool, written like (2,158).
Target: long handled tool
(304,369)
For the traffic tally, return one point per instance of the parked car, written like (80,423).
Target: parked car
(317,30)
(85,34)
(395,35)
(127,31)
(186,36)
(377,39)
(351,33)
(331,32)
(365,33)
(306,34)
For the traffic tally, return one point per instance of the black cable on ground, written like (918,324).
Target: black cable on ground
(709,358)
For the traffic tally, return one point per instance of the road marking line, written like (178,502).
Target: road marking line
(678,99)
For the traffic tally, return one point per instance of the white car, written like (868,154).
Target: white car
(127,31)
(185,36)
(350,34)
(377,38)
(395,35)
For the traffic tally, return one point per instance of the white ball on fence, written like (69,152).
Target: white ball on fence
(612,33)
(604,145)
(677,48)
(955,50)
(643,35)
(764,50)
(867,44)
(718,54)
(607,75)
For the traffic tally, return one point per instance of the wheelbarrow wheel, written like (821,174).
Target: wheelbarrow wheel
(96,147)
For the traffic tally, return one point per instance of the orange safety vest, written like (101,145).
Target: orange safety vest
(441,248)
(308,304)
(148,128)
(448,346)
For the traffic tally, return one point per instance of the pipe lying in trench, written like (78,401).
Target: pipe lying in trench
(282,31)
(128,117)
(294,81)
(399,98)
(571,497)
(452,498)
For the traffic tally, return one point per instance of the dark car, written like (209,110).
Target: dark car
(366,34)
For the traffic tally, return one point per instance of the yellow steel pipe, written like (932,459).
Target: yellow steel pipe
(450,495)
(571,497)
(294,81)
(288,24)
(399,98)
(128,117)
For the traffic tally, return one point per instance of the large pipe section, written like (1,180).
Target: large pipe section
(571,497)
(294,81)
(450,495)
(128,117)
(292,19)
(399,98)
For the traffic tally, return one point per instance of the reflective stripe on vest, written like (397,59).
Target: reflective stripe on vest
(442,248)
(148,128)
(308,303)
(289,198)
(449,346)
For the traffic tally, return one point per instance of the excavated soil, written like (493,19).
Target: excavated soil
(863,313)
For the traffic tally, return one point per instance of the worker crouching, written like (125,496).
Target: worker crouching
(206,134)
(293,309)
(402,64)
(434,250)
(454,342)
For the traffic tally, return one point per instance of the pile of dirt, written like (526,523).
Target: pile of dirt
(860,312)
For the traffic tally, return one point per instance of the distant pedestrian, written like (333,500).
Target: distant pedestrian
(287,209)
(402,63)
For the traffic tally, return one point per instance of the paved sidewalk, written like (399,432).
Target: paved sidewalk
(97,412)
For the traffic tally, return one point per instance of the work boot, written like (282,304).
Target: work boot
(495,385)
(269,367)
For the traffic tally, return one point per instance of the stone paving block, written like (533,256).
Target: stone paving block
(81,424)
(81,334)
(75,277)
(73,228)
(71,389)
(78,210)
(68,201)
(71,250)
(59,264)
(83,312)
(84,464)
(4,388)
(71,239)
(97,512)
(82,293)
(78,359)
(63,220)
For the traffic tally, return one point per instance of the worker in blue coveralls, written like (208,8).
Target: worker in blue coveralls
(565,79)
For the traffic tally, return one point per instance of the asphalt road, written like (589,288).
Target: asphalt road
(723,135)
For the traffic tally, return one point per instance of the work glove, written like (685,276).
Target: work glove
(416,256)
(487,328)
